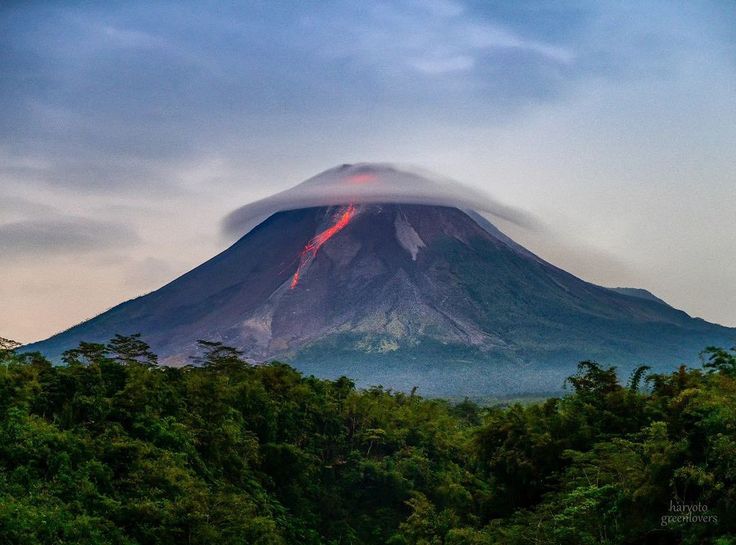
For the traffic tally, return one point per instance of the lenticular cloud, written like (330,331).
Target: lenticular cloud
(371,183)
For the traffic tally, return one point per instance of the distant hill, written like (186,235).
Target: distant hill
(402,295)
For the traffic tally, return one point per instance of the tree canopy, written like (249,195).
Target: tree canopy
(112,448)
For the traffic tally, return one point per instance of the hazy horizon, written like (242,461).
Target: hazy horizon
(130,131)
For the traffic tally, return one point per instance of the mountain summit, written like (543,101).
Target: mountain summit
(400,294)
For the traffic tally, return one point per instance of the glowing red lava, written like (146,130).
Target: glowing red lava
(310,250)
(362,178)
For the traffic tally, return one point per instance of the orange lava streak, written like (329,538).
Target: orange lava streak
(310,250)
(295,279)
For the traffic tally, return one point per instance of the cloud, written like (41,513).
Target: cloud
(13,208)
(38,238)
(402,39)
(372,183)
(110,99)
(122,37)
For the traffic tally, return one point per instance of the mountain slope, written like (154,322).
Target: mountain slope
(401,295)
(638,292)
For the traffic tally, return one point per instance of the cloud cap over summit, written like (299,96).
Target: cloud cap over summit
(372,183)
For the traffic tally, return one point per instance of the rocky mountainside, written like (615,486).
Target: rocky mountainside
(402,295)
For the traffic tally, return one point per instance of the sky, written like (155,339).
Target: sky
(128,131)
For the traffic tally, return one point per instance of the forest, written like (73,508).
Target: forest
(112,448)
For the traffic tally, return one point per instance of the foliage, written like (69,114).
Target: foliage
(113,448)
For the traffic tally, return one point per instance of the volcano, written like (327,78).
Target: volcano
(401,294)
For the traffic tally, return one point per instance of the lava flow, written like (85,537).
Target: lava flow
(310,250)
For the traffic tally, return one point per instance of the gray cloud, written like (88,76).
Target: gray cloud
(37,238)
(13,207)
(112,98)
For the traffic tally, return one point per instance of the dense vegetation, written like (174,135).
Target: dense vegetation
(112,448)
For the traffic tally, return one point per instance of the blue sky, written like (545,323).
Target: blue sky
(128,130)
